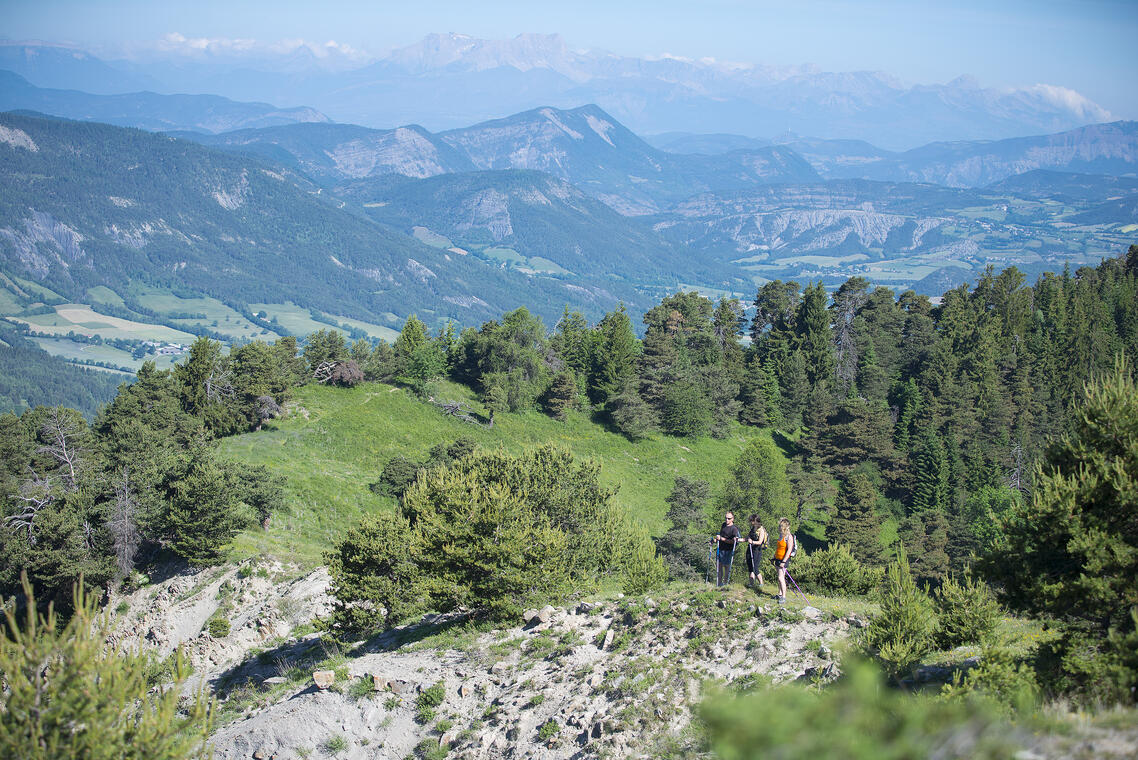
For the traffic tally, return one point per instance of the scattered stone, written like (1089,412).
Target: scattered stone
(499,668)
(259,754)
(595,680)
(608,639)
(721,604)
(649,602)
(323,678)
(378,683)
(825,653)
(274,680)
(545,614)
(584,608)
(399,687)
(857,622)
(530,617)
(465,690)
(812,613)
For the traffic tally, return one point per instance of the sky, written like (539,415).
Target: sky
(1084,45)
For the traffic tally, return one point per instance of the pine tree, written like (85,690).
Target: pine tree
(901,634)
(630,414)
(795,387)
(67,694)
(857,523)
(561,396)
(815,339)
(614,356)
(930,467)
(758,483)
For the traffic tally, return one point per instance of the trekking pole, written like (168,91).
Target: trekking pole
(711,562)
(788,575)
(731,561)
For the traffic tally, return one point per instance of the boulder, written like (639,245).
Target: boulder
(378,683)
(323,678)
(530,617)
(545,614)
(812,613)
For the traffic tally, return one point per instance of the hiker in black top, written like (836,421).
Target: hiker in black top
(756,543)
(727,537)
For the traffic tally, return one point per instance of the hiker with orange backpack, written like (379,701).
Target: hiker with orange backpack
(784,551)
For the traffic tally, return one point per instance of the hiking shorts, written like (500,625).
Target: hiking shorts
(755,560)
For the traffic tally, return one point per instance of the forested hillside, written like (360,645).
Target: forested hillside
(30,377)
(988,439)
(96,206)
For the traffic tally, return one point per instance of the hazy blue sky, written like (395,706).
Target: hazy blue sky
(1085,45)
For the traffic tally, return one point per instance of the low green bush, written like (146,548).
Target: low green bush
(218,627)
(902,633)
(549,730)
(1000,677)
(857,718)
(968,612)
(835,571)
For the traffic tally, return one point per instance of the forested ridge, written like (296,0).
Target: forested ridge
(864,410)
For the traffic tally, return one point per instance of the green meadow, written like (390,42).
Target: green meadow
(334,443)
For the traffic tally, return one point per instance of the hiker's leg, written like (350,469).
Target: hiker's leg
(782,580)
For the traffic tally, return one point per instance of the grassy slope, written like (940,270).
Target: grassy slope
(335,442)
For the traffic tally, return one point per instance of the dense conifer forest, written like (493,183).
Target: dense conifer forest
(975,434)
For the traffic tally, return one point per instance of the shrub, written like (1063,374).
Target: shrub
(902,633)
(549,730)
(429,699)
(218,627)
(684,548)
(968,612)
(834,570)
(643,570)
(1071,553)
(373,575)
(398,474)
(334,745)
(492,533)
(861,720)
(67,695)
(999,677)
(361,688)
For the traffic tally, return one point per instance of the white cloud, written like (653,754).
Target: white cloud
(1067,100)
(176,44)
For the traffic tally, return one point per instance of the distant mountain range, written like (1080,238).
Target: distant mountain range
(447,81)
(148,110)
(89,205)
(1108,149)
(585,146)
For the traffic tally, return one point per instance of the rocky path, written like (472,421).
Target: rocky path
(609,679)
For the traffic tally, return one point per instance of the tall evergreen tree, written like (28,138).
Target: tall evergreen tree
(856,522)
(815,338)
(615,351)
(930,475)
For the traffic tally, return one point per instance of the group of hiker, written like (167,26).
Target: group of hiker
(728,539)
